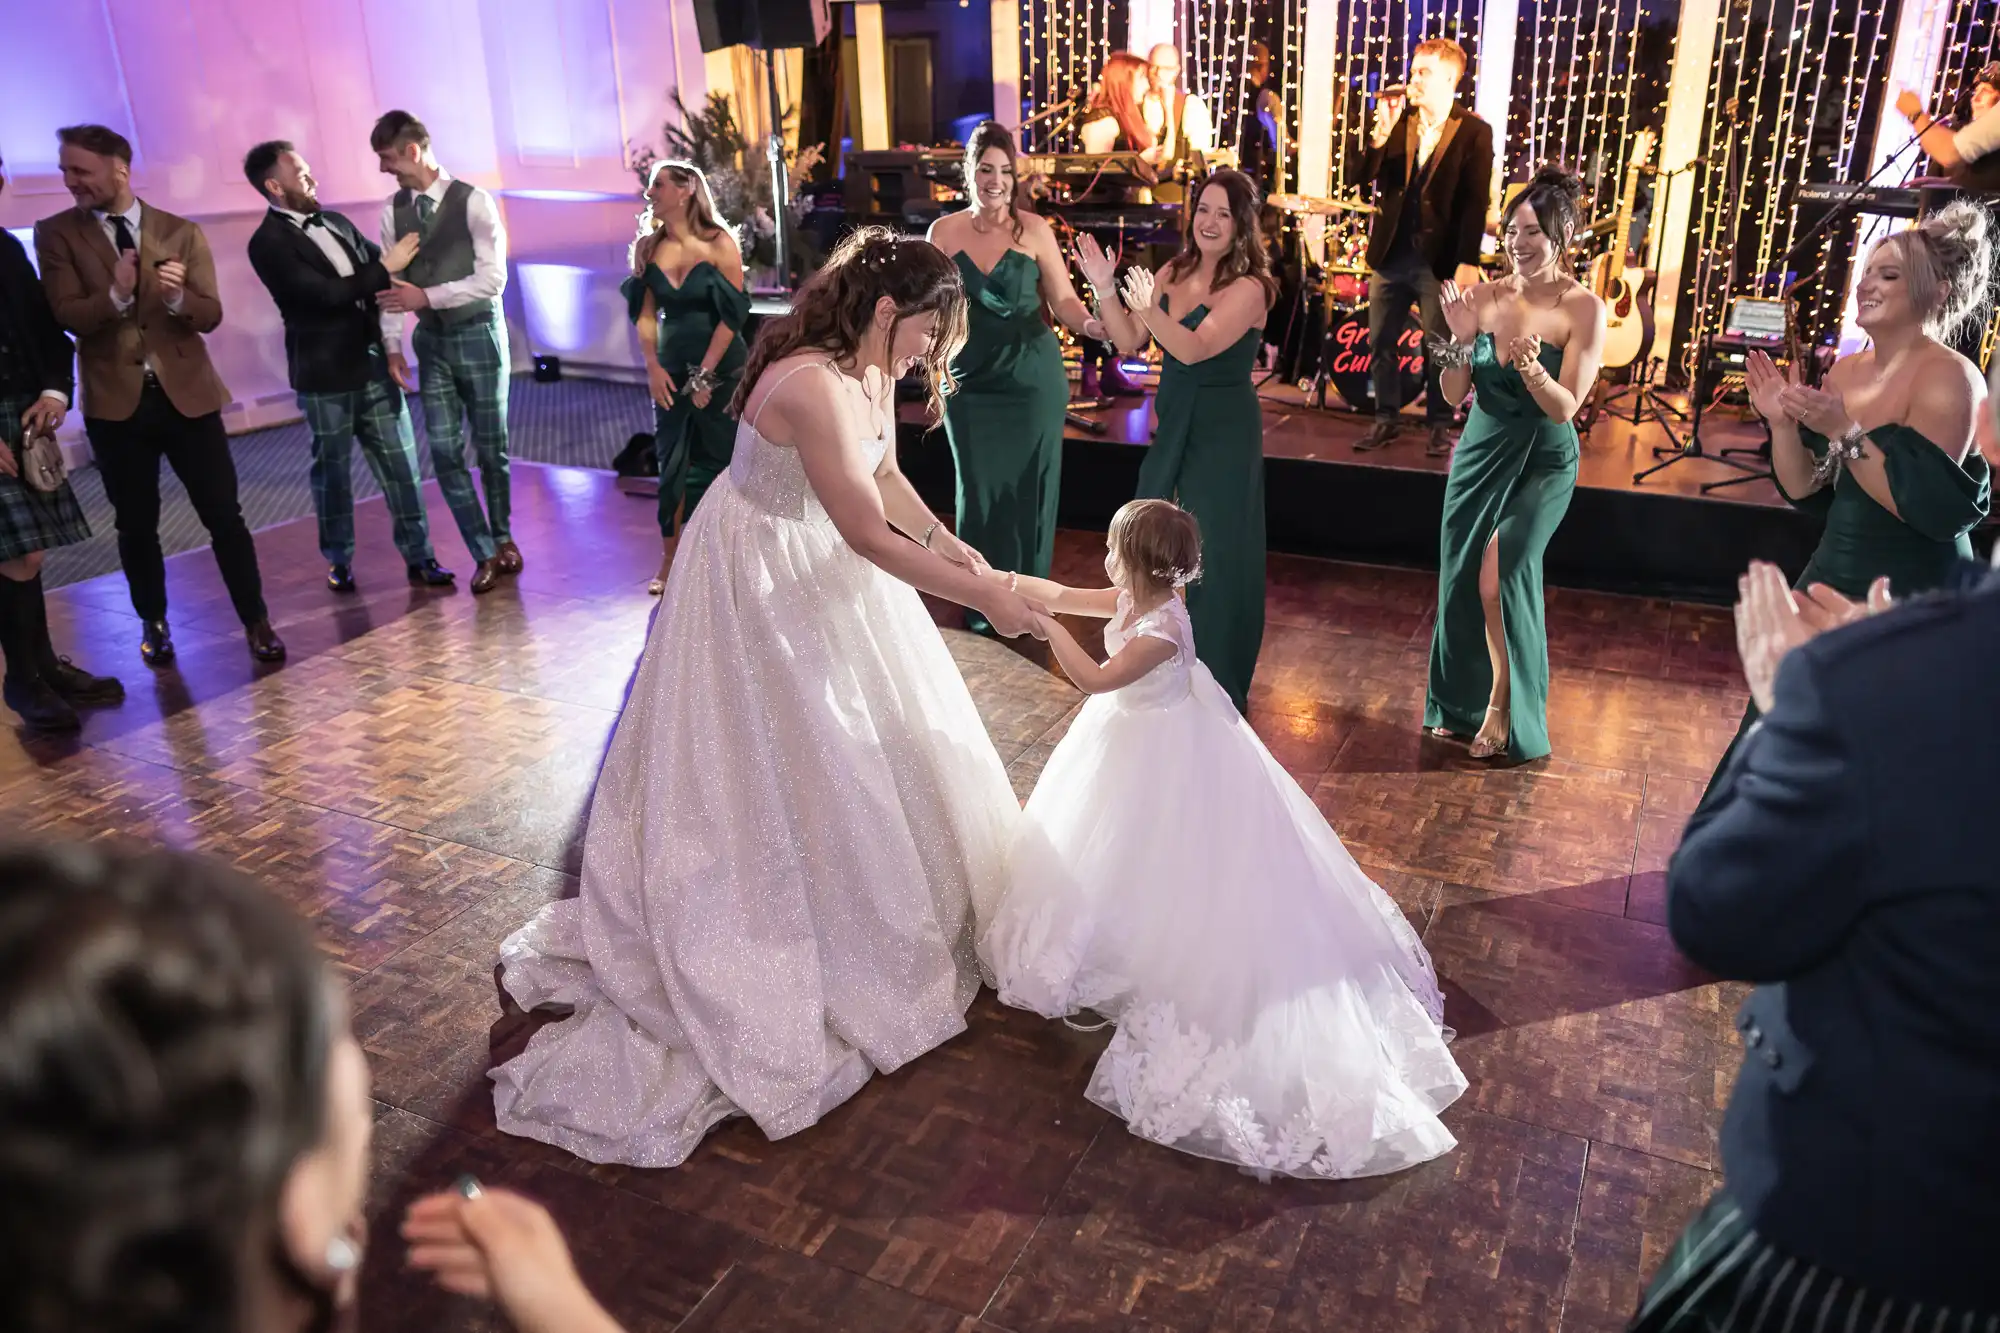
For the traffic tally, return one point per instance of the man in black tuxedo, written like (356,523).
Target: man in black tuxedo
(1431,164)
(324,275)
(1843,860)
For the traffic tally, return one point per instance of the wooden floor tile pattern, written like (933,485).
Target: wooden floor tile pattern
(416,779)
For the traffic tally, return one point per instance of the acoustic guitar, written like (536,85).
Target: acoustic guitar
(1627,292)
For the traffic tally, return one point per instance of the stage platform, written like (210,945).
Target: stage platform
(1662,537)
(416,782)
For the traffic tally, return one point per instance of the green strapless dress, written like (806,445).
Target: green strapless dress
(1940,501)
(1005,421)
(693,443)
(1513,474)
(1208,457)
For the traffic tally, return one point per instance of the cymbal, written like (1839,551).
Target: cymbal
(1308,204)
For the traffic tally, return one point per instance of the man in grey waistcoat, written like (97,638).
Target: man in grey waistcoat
(453,288)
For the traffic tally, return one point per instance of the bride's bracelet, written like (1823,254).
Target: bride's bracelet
(1448,353)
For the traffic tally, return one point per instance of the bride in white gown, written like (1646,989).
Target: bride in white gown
(800,810)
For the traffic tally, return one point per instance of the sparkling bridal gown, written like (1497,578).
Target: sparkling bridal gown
(797,816)
(1274,1009)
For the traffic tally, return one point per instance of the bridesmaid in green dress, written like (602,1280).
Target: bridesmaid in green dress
(1883,452)
(1005,418)
(1206,308)
(1528,346)
(688,299)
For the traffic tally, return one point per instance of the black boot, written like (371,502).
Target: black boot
(24,689)
(60,674)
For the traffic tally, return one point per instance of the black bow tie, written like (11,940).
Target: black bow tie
(313,220)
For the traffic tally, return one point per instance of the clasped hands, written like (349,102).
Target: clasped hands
(171,274)
(1011,613)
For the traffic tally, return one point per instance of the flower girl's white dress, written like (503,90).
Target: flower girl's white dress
(1274,1008)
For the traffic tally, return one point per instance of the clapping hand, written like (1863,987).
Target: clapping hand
(1138,290)
(1767,385)
(1459,315)
(1823,609)
(1524,351)
(1768,626)
(1100,268)
(172,277)
(125,275)
(1822,410)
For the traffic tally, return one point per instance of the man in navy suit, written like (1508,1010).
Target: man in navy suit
(1845,862)
(324,276)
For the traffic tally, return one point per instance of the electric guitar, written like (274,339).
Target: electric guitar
(1626,292)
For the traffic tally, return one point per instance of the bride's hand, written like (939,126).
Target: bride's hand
(1011,615)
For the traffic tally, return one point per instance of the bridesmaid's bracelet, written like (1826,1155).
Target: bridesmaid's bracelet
(701,377)
(1850,447)
(1448,353)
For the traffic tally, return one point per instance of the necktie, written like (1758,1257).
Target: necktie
(123,231)
(425,207)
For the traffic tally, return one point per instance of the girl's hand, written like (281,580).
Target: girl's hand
(1139,290)
(1524,351)
(659,384)
(1767,385)
(1459,315)
(1100,270)
(1821,409)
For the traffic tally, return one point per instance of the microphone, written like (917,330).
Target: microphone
(1391,90)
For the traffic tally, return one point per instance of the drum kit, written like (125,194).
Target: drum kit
(1338,286)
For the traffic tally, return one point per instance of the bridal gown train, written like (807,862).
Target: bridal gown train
(1274,1009)
(798,814)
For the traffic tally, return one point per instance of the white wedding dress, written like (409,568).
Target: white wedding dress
(1274,1008)
(796,817)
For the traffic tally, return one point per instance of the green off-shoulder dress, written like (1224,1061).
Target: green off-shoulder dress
(1940,503)
(1208,457)
(693,443)
(1512,473)
(1005,421)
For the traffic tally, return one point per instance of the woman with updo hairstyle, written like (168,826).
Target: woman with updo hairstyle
(801,806)
(688,298)
(1883,451)
(185,1118)
(1527,346)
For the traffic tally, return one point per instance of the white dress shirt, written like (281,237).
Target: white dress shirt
(1428,137)
(323,237)
(489,257)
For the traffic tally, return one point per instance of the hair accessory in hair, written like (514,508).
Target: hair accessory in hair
(1178,577)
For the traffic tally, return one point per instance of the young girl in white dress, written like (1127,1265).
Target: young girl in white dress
(1274,1009)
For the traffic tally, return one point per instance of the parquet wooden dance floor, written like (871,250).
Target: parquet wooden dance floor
(415,781)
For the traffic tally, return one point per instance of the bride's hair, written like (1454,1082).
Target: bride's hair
(1157,545)
(835,308)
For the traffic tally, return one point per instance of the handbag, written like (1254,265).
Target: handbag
(41,462)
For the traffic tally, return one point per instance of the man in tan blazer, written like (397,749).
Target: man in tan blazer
(137,287)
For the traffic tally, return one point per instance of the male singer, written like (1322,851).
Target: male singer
(324,274)
(1431,163)
(136,285)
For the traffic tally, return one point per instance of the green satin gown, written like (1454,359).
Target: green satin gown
(1208,457)
(1512,473)
(693,444)
(1005,422)
(1940,501)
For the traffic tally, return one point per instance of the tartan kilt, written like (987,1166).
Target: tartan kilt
(31,521)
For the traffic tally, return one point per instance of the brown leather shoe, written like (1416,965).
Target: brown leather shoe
(1380,435)
(486,576)
(509,556)
(265,645)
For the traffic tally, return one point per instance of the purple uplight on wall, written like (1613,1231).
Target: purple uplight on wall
(554,299)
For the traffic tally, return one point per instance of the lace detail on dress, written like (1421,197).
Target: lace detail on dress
(1168,682)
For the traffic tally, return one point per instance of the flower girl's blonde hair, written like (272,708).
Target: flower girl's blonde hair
(1158,545)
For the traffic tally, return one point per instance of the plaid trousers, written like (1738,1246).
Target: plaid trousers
(464,372)
(374,417)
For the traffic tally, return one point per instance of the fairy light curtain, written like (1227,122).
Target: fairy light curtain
(1793,97)
(1214,38)
(1376,39)
(1587,78)
(1064,44)
(1971,41)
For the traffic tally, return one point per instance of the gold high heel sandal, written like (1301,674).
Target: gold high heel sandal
(1484,749)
